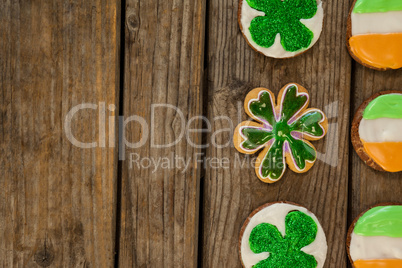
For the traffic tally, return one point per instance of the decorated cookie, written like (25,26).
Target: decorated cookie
(282,235)
(281,28)
(375,238)
(375,33)
(281,131)
(376,131)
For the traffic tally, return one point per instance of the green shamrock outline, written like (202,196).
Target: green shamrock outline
(284,132)
(282,17)
(301,230)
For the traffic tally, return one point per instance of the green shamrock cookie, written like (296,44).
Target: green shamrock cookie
(282,235)
(282,131)
(285,252)
(298,23)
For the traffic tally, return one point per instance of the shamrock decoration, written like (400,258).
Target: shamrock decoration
(282,17)
(285,252)
(282,131)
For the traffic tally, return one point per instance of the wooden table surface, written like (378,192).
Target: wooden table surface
(89,90)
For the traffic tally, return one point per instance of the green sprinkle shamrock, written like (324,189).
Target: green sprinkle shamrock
(282,131)
(285,252)
(282,17)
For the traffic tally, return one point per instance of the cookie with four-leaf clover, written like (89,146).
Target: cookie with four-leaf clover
(282,235)
(281,28)
(281,132)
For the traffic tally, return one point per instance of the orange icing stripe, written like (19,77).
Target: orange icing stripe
(387,154)
(378,50)
(378,264)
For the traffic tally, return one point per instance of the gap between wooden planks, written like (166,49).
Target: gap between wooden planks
(368,186)
(164,44)
(233,69)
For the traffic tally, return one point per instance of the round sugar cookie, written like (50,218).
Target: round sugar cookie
(374,33)
(376,131)
(281,29)
(375,237)
(282,235)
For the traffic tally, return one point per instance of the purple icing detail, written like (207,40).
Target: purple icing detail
(297,135)
(268,127)
(286,147)
(270,142)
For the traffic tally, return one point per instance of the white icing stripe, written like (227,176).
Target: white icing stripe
(275,215)
(276,50)
(377,23)
(375,247)
(381,130)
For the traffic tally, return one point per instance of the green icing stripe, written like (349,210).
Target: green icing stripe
(373,6)
(380,221)
(385,106)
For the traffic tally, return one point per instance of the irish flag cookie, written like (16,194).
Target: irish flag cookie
(281,132)
(281,28)
(376,131)
(375,33)
(375,238)
(282,235)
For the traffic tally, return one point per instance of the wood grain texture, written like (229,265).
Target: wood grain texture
(57,201)
(164,46)
(230,194)
(368,186)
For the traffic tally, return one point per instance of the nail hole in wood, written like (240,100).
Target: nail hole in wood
(132,22)
(44,257)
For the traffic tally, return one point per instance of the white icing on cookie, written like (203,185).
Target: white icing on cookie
(375,247)
(275,214)
(376,23)
(381,130)
(276,50)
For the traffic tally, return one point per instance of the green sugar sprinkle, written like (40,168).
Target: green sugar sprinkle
(285,252)
(283,17)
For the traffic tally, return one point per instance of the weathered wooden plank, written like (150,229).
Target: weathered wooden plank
(57,200)
(233,70)
(163,66)
(368,186)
